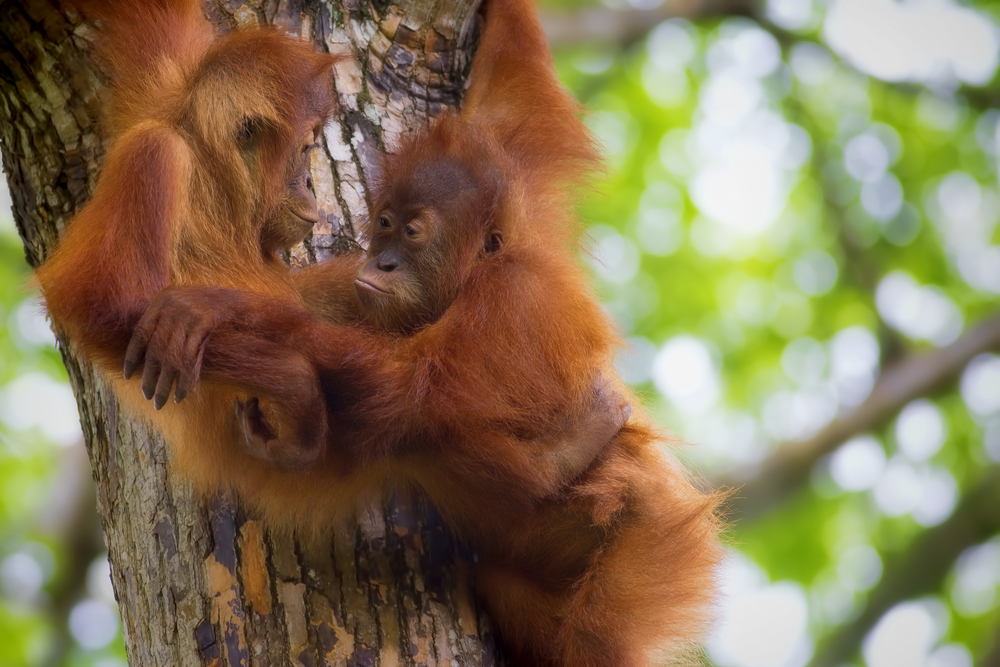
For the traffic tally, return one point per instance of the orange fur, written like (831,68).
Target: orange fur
(474,383)
(177,203)
(612,567)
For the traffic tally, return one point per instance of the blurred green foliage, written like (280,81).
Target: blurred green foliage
(900,213)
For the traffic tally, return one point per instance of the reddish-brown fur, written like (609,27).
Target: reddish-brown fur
(482,385)
(474,380)
(181,201)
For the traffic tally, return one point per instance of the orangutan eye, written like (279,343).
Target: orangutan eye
(383,221)
(248,129)
(410,231)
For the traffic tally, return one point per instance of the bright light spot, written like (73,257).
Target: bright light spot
(935,42)
(796,149)
(35,399)
(804,361)
(966,215)
(615,258)
(854,362)
(793,415)
(6,211)
(977,576)
(21,577)
(815,273)
(742,156)
(670,48)
(928,493)
(920,430)
(744,50)
(745,169)
(28,326)
(666,87)
(939,494)
(812,64)
(684,372)
(866,158)
(980,267)
(904,635)
(93,624)
(670,44)
(744,191)
(764,628)
(726,100)
(99,584)
(898,490)
(924,313)
(859,567)
(882,198)
(729,437)
(635,361)
(858,463)
(790,14)
(961,197)
(980,385)
(950,655)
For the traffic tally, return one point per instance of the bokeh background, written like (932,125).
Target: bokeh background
(797,227)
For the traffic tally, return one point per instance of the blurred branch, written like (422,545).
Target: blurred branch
(979,98)
(789,469)
(625,26)
(992,658)
(922,568)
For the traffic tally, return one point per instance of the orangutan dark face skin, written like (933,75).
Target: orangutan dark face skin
(416,265)
(298,211)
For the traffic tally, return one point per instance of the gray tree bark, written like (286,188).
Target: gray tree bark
(200,582)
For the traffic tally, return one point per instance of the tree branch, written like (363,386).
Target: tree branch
(922,568)
(627,26)
(789,468)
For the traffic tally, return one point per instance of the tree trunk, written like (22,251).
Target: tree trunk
(202,583)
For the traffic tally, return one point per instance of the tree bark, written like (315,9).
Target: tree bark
(200,582)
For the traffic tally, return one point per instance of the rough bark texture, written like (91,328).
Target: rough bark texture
(201,583)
